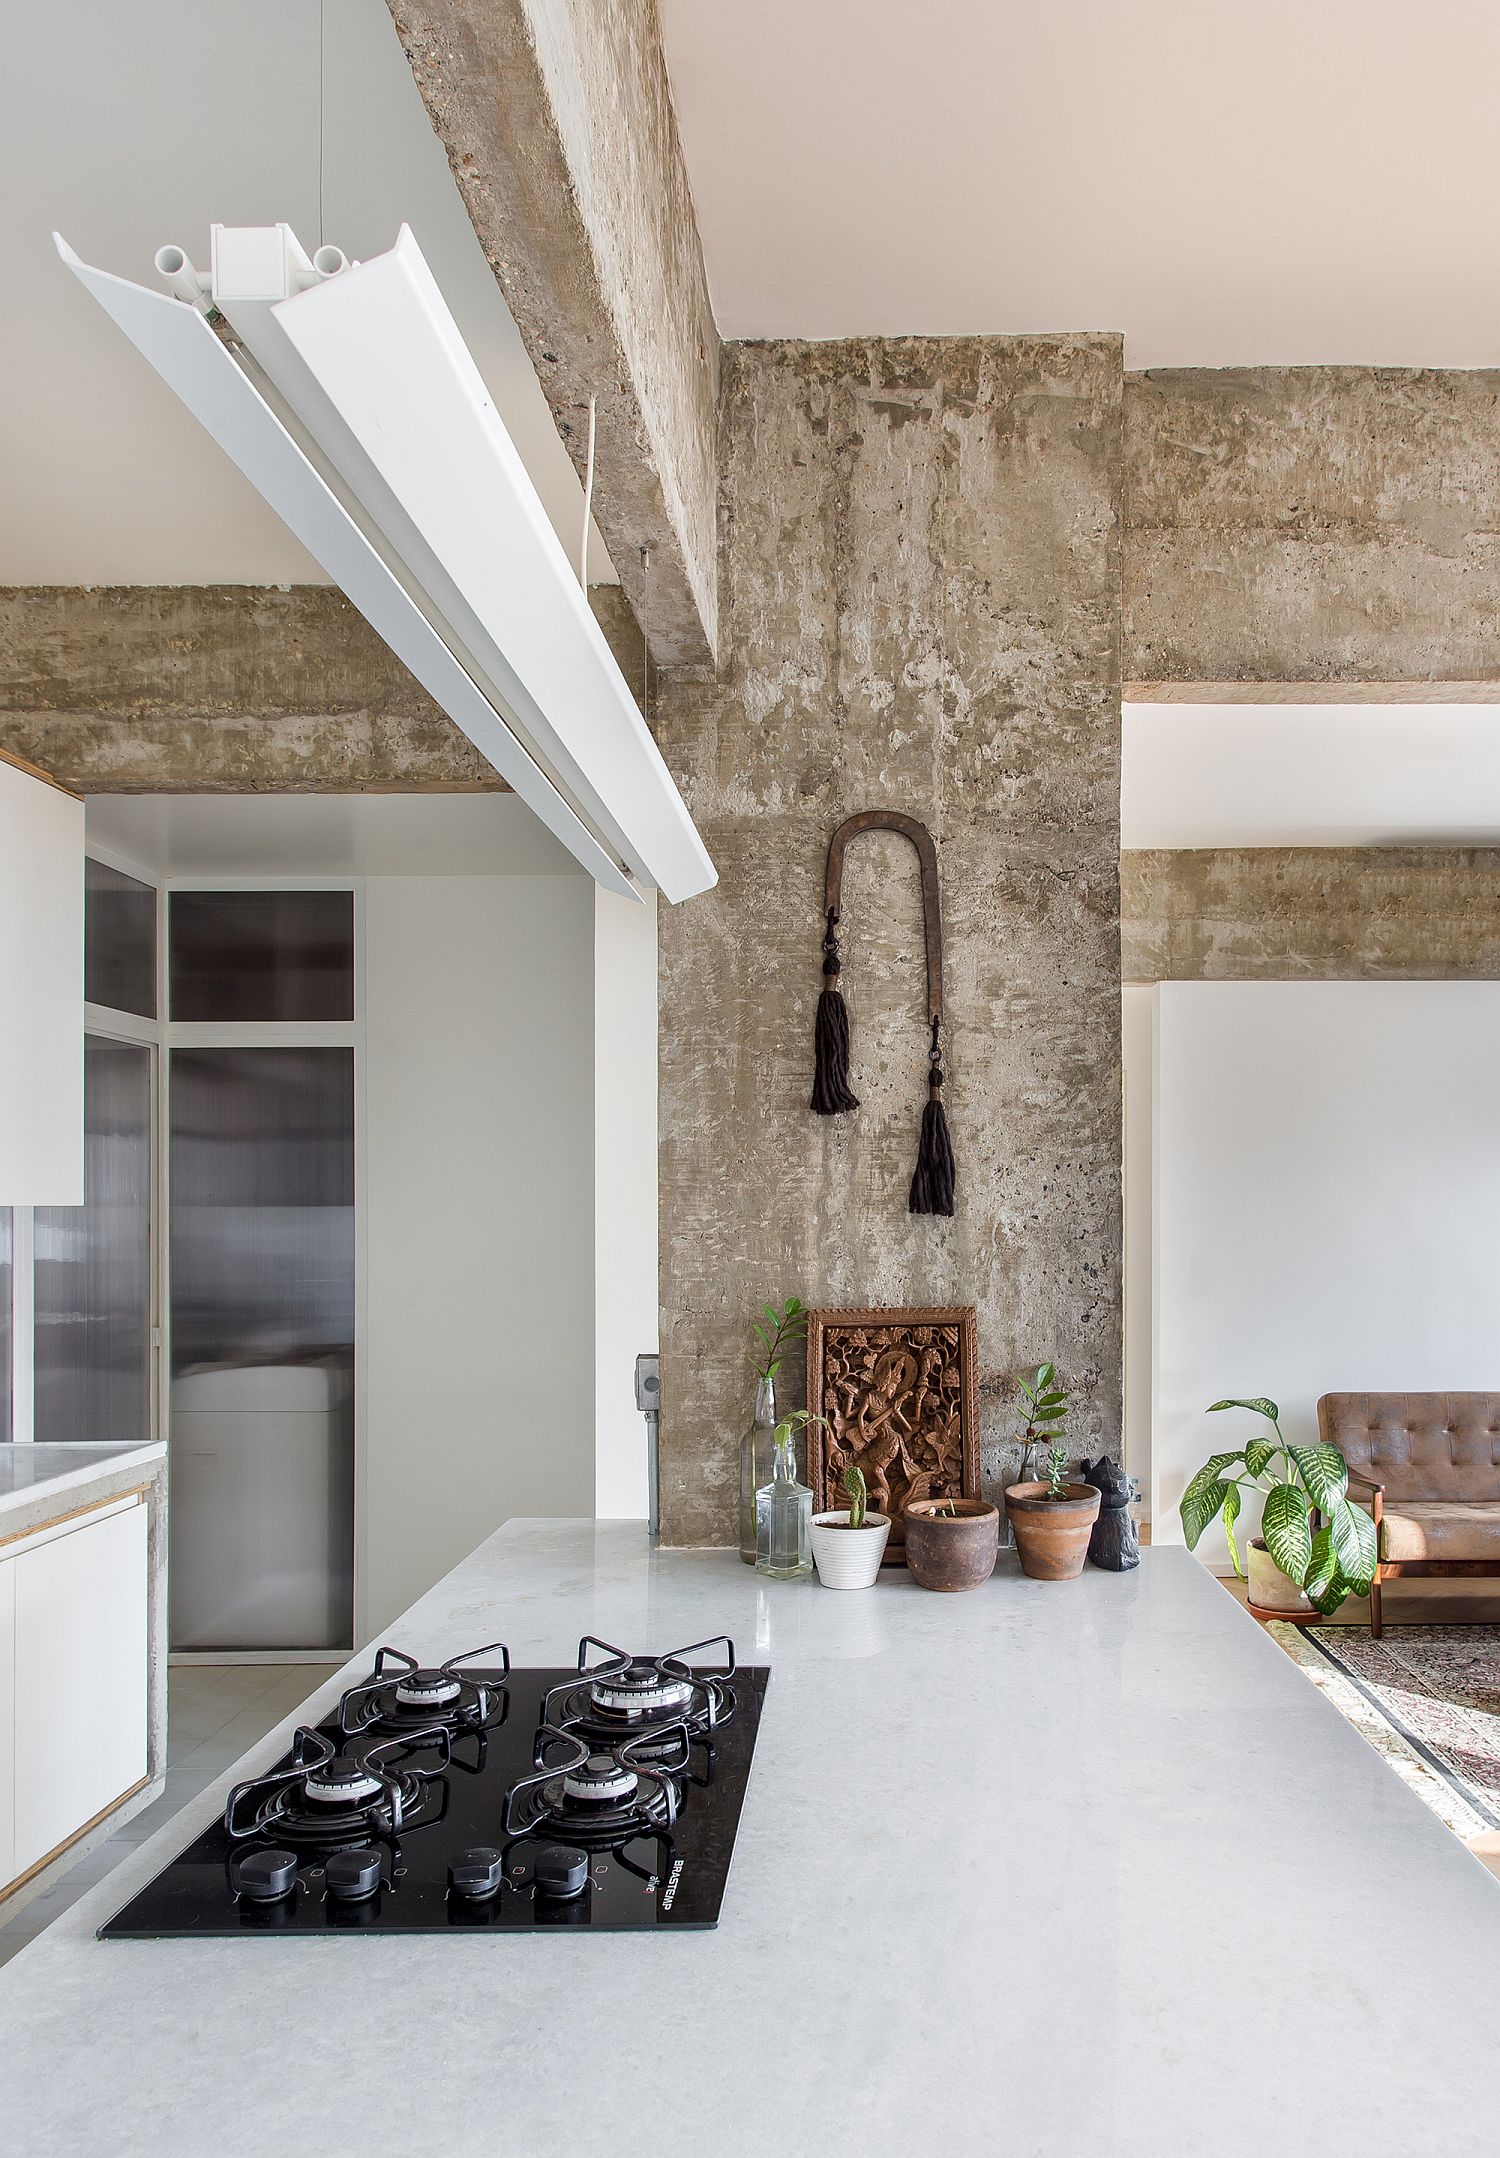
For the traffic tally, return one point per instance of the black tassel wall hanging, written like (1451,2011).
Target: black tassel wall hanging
(932,1185)
(831,1095)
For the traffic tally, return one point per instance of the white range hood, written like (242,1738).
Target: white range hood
(347,396)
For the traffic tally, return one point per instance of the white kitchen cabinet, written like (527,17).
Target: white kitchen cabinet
(80,1658)
(41,990)
(7,1723)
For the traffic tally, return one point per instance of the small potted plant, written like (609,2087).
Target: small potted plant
(1315,1549)
(1052,1520)
(849,1543)
(951,1543)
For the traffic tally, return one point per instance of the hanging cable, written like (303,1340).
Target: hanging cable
(646,635)
(322,66)
(588,498)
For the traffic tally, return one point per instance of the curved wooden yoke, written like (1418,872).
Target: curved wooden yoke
(891,820)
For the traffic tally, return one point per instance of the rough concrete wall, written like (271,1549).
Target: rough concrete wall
(919,595)
(1312,525)
(1247,914)
(558,123)
(132,689)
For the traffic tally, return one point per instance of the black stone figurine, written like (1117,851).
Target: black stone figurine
(1115,1542)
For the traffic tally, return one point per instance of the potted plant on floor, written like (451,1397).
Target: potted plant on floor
(951,1543)
(849,1543)
(1052,1520)
(1315,1549)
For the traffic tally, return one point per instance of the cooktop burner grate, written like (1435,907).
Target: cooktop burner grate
(600,1800)
(626,1696)
(401,1696)
(326,1800)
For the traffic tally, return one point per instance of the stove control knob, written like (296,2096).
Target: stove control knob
(352,1875)
(264,1876)
(558,1869)
(476,1873)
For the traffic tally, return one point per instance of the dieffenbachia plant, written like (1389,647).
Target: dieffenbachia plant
(1329,1562)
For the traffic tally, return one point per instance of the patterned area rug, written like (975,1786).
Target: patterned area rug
(1427,1697)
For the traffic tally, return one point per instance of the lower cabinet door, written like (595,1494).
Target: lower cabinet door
(80,1679)
(8,1867)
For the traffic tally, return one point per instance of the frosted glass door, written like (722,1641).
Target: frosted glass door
(262,1422)
(93,1264)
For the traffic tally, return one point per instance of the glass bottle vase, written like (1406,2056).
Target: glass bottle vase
(783,1541)
(757,1461)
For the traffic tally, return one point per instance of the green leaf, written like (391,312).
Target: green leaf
(1353,1536)
(1052,1401)
(1046,1373)
(1324,1565)
(1285,1528)
(1258,1403)
(1258,1453)
(1328,1598)
(1210,1473)
(1200,1503)
(1325,1473)
(1230,1512)
(793,1304)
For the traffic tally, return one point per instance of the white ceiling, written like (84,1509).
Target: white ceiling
(1329,775)
(1229,182)
(126,126)
(325,835)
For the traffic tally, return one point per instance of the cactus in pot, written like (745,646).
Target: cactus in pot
(848,1543)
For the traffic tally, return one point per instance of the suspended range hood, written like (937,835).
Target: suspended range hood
(348,398)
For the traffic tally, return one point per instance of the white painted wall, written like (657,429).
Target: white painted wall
(41,992)
(1137,1028)
(1309,775)
(625,1212)
(1327,1181)
(477,1374)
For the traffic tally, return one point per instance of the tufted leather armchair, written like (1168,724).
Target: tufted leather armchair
(1428,1467)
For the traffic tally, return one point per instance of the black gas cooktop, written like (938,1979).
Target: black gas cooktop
(469,1797)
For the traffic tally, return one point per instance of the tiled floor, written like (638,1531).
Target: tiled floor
(214,1713)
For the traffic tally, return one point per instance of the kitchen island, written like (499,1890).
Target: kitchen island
(985,1898)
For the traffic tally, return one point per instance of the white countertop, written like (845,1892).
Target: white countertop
(993,1892)
(28,1473)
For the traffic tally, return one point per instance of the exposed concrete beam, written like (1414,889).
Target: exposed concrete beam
(1331,525)
(558,123)
(132,689)
(1313,913)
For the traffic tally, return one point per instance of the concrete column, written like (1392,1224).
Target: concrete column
(919,610)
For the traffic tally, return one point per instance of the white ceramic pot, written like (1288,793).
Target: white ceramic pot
(848,1558)
(1269,1588)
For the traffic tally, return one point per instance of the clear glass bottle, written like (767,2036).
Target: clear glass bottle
(783,1538)
(757,1461)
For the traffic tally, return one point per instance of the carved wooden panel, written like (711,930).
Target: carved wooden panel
(900,1392)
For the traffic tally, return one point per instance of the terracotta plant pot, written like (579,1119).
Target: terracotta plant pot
(951,1550)
(848,1558)
(1052,1535)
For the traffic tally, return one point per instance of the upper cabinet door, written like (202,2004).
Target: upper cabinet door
(41,991)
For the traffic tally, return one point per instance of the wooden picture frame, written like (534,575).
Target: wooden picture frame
(899,1388)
